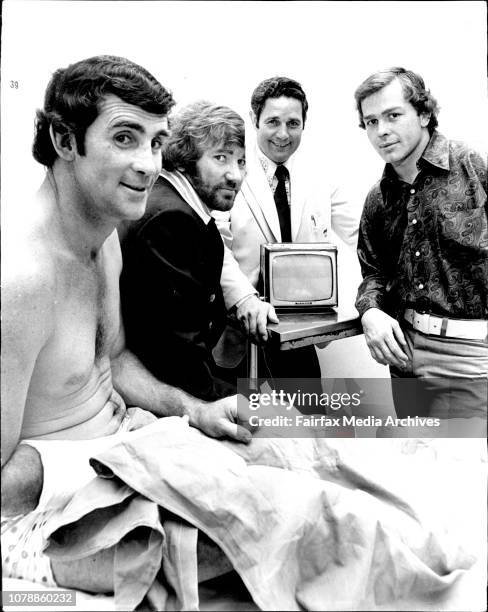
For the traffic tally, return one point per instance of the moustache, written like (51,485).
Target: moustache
(228,185)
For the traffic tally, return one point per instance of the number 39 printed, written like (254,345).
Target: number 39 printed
(14,84)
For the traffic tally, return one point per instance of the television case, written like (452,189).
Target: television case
(269,251)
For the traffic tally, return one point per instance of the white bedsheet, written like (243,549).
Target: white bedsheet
(459,489)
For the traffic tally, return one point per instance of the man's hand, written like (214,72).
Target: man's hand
(384,338)
(140,388)
(220,419)
(254,315)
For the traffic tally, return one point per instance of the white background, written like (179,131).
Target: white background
(221,50)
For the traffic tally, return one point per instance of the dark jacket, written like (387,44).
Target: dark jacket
(172,302)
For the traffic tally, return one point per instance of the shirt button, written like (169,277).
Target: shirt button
(414,221)
(211,298)
(420,286)
(417,253)
(412,191)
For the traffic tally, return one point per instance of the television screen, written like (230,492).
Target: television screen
(302,277)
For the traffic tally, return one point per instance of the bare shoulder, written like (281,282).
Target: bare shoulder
(28,278)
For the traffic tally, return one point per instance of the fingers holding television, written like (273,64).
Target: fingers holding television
(384,338)
(254,315)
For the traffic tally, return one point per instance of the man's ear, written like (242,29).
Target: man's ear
(254,120)
(64,142)
(424,119)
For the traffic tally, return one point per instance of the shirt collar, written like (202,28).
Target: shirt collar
(436,153)
(188,193)
(269,166)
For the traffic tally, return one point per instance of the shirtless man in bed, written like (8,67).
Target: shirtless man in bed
(65,372)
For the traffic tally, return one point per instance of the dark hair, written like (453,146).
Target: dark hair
(414,91)
(275,88)
(74,93)
(197,127)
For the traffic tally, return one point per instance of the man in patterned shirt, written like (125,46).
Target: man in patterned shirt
(423,250)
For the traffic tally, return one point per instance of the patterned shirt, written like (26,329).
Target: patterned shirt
(269,168)
(425,245)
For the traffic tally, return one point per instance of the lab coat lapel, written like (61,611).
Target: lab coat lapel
(297,188)
(260,199)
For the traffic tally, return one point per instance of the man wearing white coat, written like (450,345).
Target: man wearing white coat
(283,199)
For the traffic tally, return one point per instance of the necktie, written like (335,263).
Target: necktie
(281,201)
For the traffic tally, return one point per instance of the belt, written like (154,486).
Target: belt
(468,329)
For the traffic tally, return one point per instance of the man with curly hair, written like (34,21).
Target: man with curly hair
(172,300)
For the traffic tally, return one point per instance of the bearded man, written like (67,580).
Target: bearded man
(172,300)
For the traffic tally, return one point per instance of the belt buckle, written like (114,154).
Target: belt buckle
(445,322)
